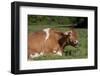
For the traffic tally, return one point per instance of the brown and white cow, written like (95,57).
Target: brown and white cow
(50,41)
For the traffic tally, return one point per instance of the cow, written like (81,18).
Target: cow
(50,40)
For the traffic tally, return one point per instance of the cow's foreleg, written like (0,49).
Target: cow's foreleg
(59,53)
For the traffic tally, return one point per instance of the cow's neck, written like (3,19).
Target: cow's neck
(62,43)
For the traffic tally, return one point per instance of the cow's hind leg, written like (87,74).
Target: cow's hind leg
(33,54)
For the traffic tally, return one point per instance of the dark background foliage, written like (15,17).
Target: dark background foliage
(79,22)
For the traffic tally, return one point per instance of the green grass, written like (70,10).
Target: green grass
(69,52)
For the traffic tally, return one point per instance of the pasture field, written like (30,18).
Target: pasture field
(69,52)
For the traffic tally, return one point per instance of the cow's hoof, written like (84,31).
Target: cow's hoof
(59,53)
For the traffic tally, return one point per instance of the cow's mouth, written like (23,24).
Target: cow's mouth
(75,45)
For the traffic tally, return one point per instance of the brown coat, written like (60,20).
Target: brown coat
(56,42)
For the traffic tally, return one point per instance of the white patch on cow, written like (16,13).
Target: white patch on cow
(42,53)
(47,33)
(35,55)
(59,53)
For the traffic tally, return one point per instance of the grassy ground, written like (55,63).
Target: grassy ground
(69,52)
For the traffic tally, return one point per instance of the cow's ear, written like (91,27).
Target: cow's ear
(68,33)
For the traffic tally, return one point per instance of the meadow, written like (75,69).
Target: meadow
(69,52)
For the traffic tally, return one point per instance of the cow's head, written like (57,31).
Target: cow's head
(71,38)
(66,38)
